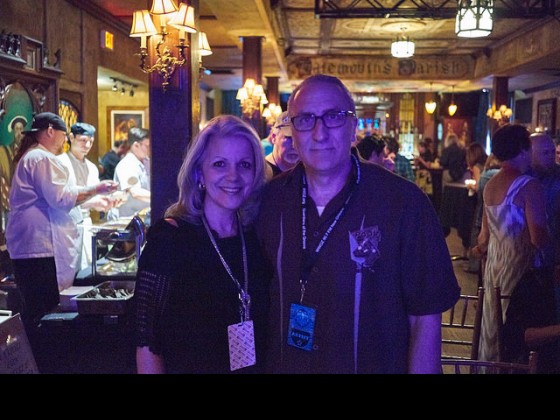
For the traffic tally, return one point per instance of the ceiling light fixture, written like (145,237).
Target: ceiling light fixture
(501,115)
(123,84)
(402,47)
(431,104)
(474,18)
(452,107)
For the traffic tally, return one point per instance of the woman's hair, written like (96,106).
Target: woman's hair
(369,145)
(189,206)
(29,140)
(509,141)
(492,162)
(450,139)
(476,155)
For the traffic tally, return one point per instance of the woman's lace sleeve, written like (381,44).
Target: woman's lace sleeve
(151,294)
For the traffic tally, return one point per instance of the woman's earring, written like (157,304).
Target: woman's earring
(201,186)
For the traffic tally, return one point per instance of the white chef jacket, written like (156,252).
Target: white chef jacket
(40,225)
(130,167)
(82,216)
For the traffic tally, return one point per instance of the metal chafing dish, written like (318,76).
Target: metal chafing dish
(116,247)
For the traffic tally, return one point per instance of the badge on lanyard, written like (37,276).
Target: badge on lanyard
(241,339)
(302,326)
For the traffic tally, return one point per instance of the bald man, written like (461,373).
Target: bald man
(543,167)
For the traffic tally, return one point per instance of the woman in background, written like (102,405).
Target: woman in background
(514,229)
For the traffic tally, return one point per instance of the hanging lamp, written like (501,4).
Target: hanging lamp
(431,104)
(452,107)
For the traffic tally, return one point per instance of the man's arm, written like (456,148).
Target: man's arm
(424,352)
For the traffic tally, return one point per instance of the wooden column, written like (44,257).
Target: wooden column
(252,68)
(272,92)
(172,125)
(500,96)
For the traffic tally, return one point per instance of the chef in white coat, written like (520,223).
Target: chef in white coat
(84,173)
(41,234)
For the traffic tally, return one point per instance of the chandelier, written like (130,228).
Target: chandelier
(501,115)
(474,18)
(252,97)
(430,105)
(402,47)
(180,19)
(271,113)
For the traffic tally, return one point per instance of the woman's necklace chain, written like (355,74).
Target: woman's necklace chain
(244,297)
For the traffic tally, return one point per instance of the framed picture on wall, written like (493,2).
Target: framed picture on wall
(122,120)
(546,115)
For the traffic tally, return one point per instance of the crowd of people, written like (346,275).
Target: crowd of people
(323,255)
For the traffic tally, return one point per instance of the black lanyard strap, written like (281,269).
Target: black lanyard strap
(310,258)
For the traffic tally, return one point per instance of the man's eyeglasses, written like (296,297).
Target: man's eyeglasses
(331,119)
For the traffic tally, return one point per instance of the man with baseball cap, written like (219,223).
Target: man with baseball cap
(83,172)
(283,155)
(40,233)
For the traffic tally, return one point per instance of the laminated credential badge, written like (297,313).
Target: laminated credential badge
(302,326)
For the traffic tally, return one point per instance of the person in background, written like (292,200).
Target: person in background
(514,232)
(7,165)
(133,175)
(372,149)
(41,235)
(476,159)
(84,173)
(423,163)
(491,168)
(403,166)
(430,149)
(544,168)
(354,291)
(202,280)
(453,160)
(110,159)
(283,155)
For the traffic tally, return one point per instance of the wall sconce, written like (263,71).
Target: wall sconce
(501,115)
(204,50)
(474,18)
(430,105)
(169,14)
(251,96)
(271,113)
(402,47)
(452,107)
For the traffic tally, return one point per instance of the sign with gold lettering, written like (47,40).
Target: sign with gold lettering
(367,68)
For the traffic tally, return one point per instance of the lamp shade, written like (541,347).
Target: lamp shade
(142,24)
(474,18)
(452,109)
(203,45)
(430,107)
(184,19)
(402,48)
(163,7)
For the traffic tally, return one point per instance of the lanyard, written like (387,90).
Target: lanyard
(244,298)
(310,260)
